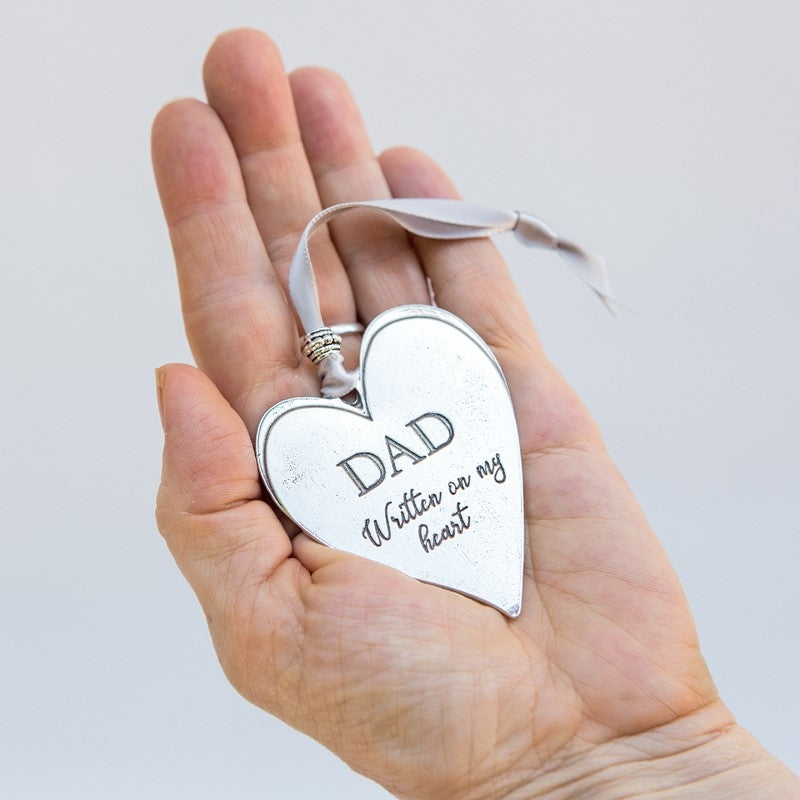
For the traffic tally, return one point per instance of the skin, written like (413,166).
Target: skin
(598,689)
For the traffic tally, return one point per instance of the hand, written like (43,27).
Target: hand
(599,684)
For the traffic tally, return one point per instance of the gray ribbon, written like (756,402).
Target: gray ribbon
(434,219)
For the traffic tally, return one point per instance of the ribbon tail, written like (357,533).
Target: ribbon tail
(590,268)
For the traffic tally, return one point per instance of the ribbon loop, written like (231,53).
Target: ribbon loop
(433,218)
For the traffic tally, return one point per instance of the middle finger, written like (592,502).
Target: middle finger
(248,87)
(383,268)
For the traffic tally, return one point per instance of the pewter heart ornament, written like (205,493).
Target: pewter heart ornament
(424,473)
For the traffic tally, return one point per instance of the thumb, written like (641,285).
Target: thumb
(209,509)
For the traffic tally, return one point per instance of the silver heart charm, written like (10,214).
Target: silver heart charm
(424,475)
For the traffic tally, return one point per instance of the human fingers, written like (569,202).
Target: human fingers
(239,326)
(383,268)
(247,86)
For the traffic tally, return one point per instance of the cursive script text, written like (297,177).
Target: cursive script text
(458,524)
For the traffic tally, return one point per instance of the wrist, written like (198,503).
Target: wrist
(705,755)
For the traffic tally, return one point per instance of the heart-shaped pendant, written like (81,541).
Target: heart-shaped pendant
(424,473)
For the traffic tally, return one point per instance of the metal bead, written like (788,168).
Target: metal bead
(320,344)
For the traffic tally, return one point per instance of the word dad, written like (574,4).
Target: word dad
(367,470)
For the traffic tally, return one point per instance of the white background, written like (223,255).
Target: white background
(664,135)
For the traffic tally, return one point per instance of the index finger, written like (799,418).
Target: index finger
(237,320)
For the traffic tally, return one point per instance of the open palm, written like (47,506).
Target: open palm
(428,692)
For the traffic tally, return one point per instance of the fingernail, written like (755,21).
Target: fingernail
(161,379)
